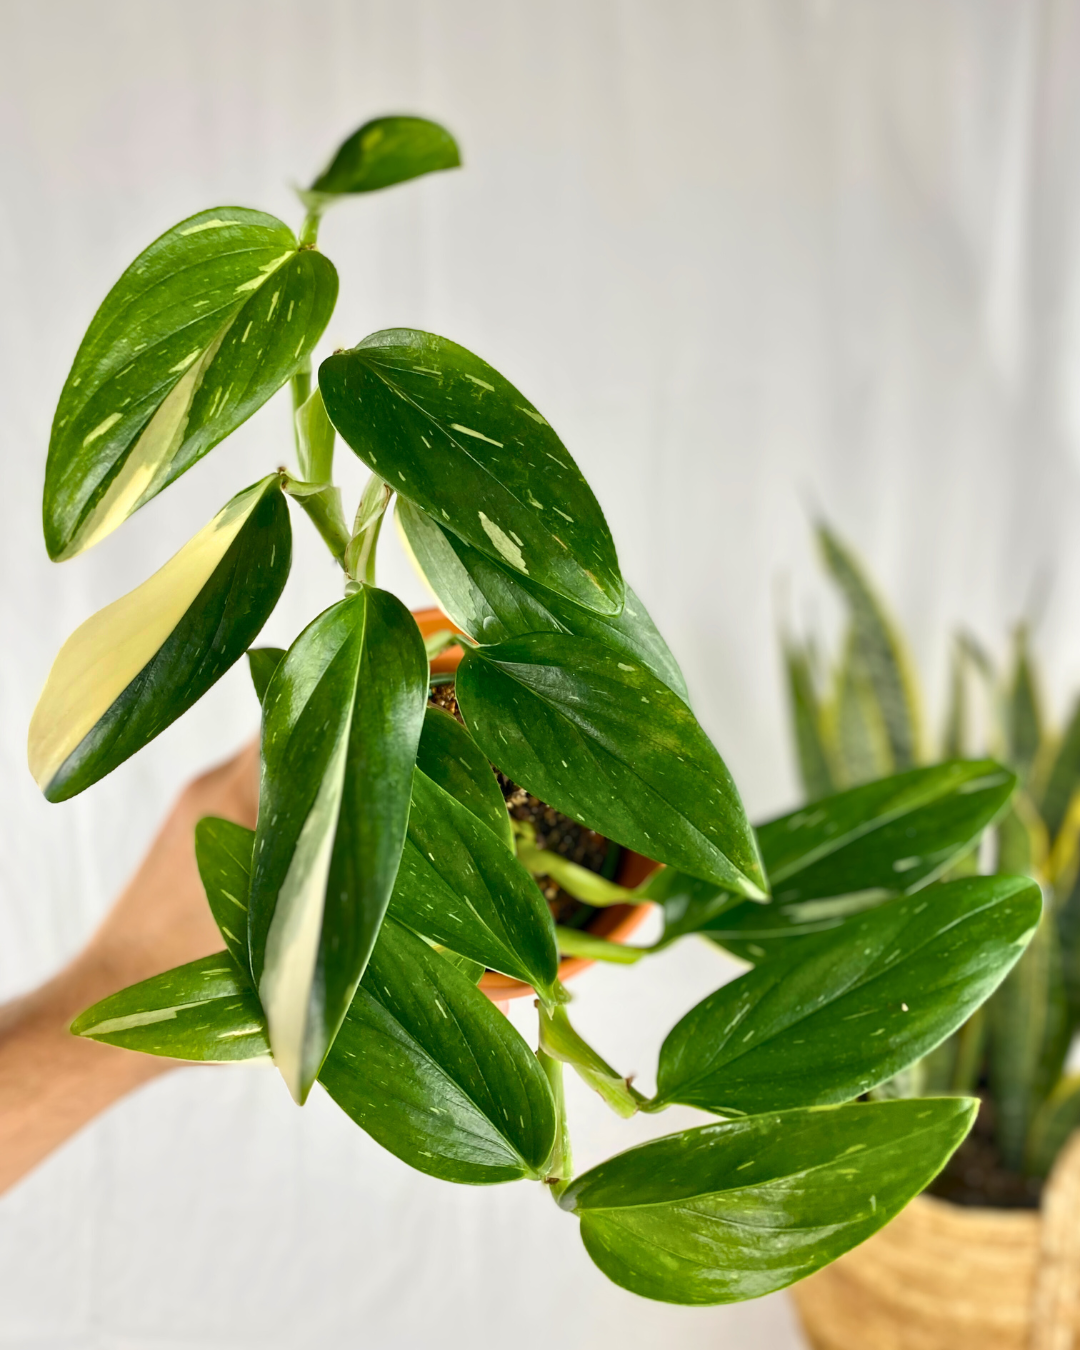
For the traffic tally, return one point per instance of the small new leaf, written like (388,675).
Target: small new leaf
(384,151)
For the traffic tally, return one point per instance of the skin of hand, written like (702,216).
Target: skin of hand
(51,1082)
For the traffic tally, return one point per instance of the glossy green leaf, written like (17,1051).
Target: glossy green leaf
(205,1010)
(736,1210)
(196,335)
(223,852)
(844,1011)
(848,853)
(878,650)
(450,757)
(462,887)
(341,725)
(385,151)
(431,1069)
(493,604)
(138,664)
(808,724)
(262,662)
(447,431)
(602,740)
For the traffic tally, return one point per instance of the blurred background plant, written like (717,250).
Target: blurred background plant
(859,717)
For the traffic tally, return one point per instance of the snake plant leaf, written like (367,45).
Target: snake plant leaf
(857,726)
(878,651)
(450,757)
(602,740)
(223,853)
(844,1011)
(262,662)
(430,1068)
(1023,711)
(735,1210)
(808,723)
(138,664)
(196,335)
(493,604)
(447,431)
(848,853)
(383,152)
(1028,1041)
(341,724)
(462,887)
(203,1011)
(1063,778)
(1055,1121)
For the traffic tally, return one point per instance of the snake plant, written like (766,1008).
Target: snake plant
(863,718)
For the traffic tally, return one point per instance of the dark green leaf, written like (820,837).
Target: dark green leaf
(448,432)
(341,725)
(493,604)
(136,666)
(461,886)
(196,335)
(385,151)
(262,662)
(878,650)
(205,1010)
(808,724)
(736,1210)
(450,757)
(223,853)
(430,1068)
(845,1011)
(850,852)
(602,740)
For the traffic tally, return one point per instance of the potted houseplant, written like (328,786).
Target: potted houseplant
(991,1255)
(386,875)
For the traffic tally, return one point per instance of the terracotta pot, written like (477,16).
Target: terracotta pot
(616,922)
(945,1277)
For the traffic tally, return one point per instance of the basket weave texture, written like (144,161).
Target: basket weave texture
(942,1277)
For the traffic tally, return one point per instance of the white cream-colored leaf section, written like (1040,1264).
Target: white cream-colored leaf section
(292,943)
(101,658)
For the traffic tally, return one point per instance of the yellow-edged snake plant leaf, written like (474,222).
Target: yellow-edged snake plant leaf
(201,329)
(133,668)
(341,724)
(447,431)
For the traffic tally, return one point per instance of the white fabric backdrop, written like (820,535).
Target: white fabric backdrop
(753,260)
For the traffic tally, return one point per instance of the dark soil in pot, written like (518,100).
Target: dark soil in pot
(975,1174)
(554,832)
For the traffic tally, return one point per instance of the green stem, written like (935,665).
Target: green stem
(322,503)
(315,436)
(559,1040)
(561,1163)
(577,942)
(300,388)
(360,555)
(309,231)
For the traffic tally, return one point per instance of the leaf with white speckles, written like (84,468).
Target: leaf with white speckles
(431,1069)
(204,1011)
(602,740)
(448,432)
(740,1209)
(840,1013)
(201,329)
